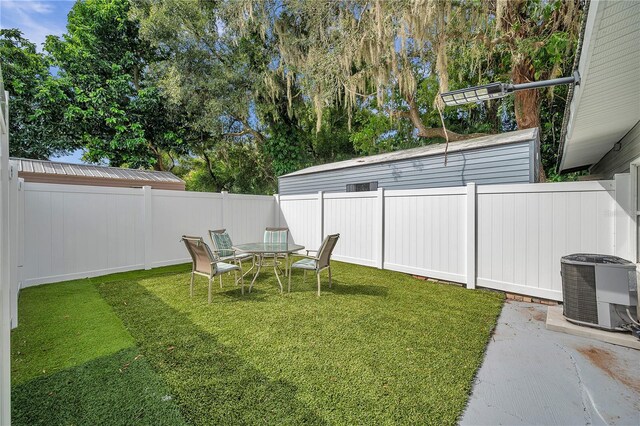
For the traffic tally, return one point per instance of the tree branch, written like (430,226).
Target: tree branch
(248,130)
(429,132)
(236,134)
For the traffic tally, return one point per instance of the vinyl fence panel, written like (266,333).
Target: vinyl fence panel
(5,262)
(247,216)
(425,232)
(82,231)
(302,215)
(355,217)
(78,231)
(524,230)
(177,213)
(505,237)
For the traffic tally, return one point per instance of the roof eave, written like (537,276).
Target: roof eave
(568,106)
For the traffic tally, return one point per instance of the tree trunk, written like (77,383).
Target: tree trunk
(159,165)
(492,116)
(527,102)
(207,160)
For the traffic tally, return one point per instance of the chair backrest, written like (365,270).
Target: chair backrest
(201,255)
(324,253)
(276,235)
(221,242)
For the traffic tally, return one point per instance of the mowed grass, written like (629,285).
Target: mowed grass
(378,348)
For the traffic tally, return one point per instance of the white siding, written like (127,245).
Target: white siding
(606,103)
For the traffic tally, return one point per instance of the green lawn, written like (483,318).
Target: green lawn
(134,348)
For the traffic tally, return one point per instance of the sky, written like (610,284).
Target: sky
(36,20)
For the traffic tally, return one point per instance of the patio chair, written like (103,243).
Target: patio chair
(275,235)
(321,261)
(223,247)
(207,264)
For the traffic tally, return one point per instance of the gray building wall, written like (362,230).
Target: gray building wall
(618,161)
(508,163)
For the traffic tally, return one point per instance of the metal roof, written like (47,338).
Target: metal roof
(52,168)
(425,151)
(606,104)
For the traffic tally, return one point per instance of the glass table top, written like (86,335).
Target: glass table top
(268,247)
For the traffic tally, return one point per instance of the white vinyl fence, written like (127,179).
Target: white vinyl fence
(83,231)
(506,237)
(8,264)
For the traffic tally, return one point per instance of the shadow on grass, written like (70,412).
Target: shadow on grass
(212,384)
(356,289)
(116,389)
(337,287)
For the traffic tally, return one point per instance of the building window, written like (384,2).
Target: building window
(359,187)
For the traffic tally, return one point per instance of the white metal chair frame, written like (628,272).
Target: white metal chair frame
(322,260)
(196,248)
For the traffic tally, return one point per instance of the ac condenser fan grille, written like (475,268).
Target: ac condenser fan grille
(579,292)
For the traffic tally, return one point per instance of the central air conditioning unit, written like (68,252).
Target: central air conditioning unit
(599,291)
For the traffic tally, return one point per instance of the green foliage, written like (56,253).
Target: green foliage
(234,167)
(288,148)
(230,95)
(116,110)
(377,133)
(37,126)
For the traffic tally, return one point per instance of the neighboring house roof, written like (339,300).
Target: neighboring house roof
(86,174)
(425,151)
(606,103)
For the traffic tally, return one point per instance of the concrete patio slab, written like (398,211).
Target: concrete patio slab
(534,376)
(557,322)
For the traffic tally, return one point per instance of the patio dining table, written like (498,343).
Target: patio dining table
(262,249)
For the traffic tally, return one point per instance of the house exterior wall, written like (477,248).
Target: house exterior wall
(618,161)
(508,163)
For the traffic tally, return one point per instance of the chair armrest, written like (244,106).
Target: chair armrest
(217,252)
(309,251)
(310,257)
